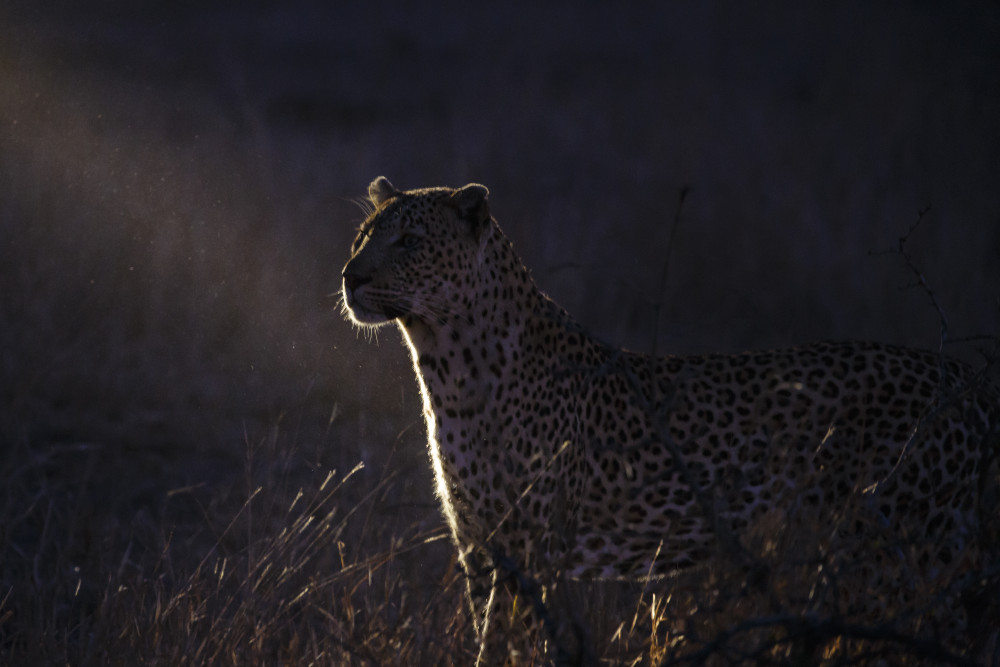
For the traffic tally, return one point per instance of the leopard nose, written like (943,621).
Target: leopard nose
(353,281)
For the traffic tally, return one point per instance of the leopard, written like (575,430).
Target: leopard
(555,452)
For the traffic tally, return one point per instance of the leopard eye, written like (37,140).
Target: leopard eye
(408,241)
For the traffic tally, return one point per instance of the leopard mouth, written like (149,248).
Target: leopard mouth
(362,315)
(366,313)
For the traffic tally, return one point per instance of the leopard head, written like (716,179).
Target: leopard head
(416,254)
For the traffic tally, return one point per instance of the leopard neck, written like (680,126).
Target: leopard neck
(474,344)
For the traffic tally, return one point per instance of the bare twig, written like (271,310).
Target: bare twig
(664,273)
(921,281)
(817,631)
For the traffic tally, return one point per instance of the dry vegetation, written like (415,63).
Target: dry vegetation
(202,464)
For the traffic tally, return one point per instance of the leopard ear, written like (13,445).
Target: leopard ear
(470,200)
(381,191)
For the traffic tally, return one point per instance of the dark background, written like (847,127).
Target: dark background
(179,186)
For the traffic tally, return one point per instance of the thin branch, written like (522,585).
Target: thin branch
(816,630)
(658,303)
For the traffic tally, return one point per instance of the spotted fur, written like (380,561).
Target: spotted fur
(554,451)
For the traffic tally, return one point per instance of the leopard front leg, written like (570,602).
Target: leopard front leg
(490,637)
(506,625)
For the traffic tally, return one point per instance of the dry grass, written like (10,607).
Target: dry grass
(182,411)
